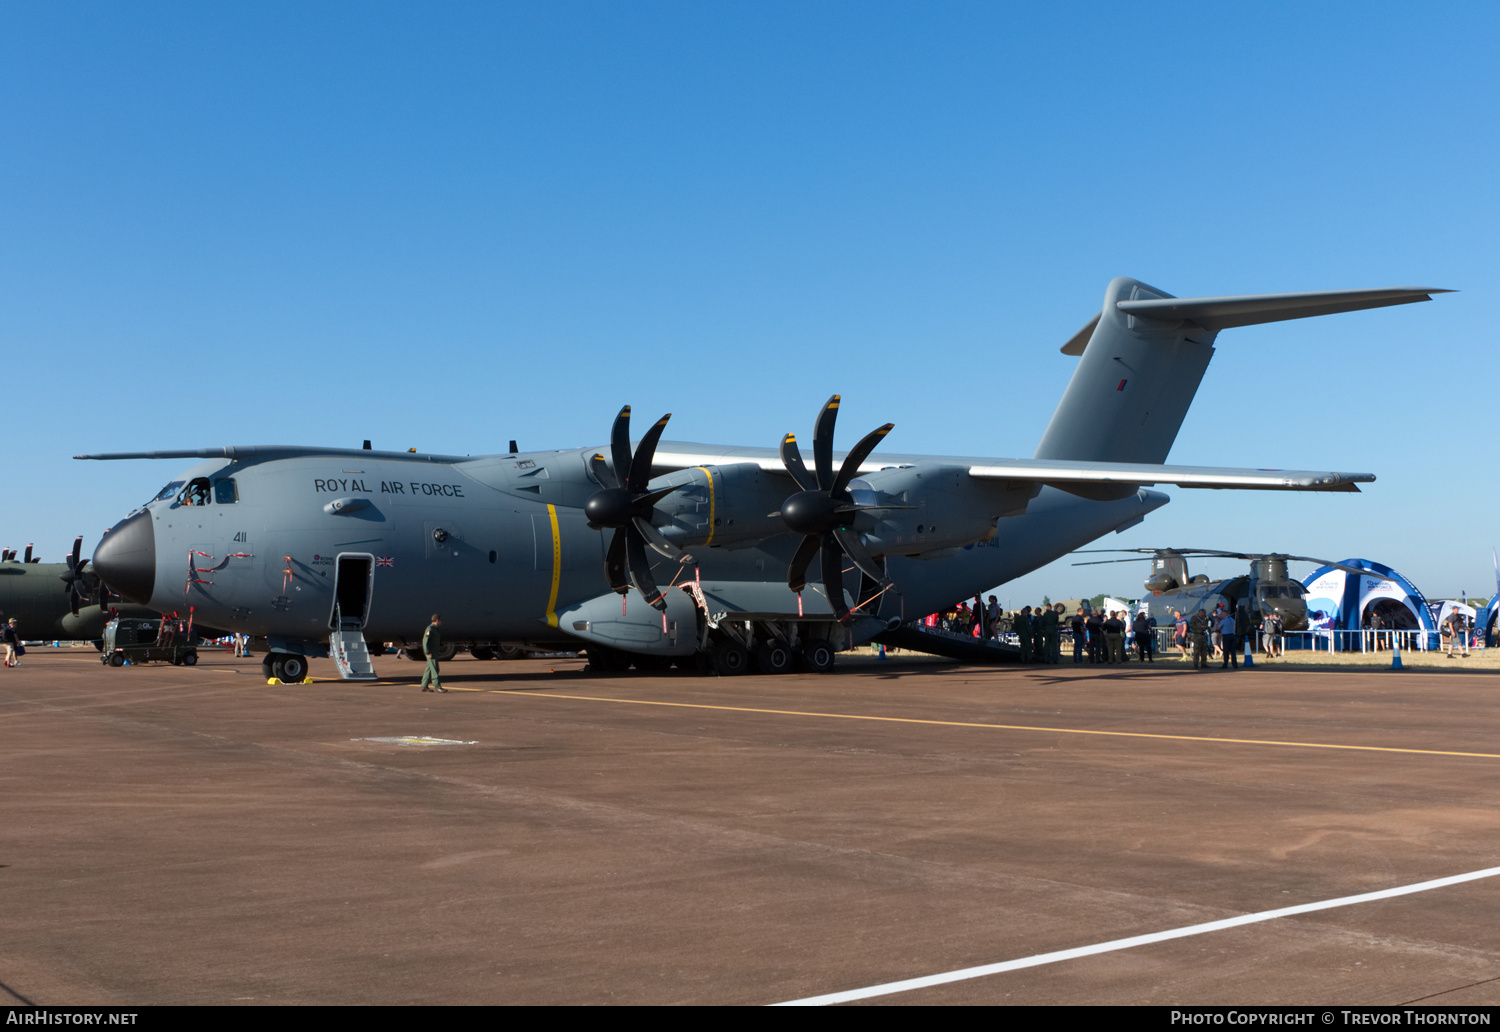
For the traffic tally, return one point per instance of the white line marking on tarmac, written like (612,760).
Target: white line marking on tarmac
(1039,959)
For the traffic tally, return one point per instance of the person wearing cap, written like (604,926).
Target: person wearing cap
(432,644)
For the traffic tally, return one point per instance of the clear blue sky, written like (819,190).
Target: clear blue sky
(447,225)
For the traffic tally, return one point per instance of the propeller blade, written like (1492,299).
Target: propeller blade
(640,571)
(619,446)
(833,578)
(614,563)
(602,471)
(823,442)
(28,555)
(796,571)
(856,458)
(791,458)
(77,547)
(640,466)
(855,549)
(1106,562)
(654,538)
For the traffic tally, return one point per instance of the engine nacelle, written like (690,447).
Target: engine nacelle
(724,506)
(933,509)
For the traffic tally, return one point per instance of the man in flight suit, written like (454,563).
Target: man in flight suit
(1049,623)
(432,644)
(1198,632)
(1021,624)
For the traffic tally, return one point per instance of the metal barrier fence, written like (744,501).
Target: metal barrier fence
(1373,641)
(1291,641)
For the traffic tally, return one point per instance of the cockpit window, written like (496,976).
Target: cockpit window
(196,492)
(225,492)
(169,491)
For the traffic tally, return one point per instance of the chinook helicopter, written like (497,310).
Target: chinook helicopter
(1266,588)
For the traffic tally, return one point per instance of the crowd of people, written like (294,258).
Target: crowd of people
(1104,635)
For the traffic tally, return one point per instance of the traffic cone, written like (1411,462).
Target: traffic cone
(882,651)
(1396,655)
(1249,657)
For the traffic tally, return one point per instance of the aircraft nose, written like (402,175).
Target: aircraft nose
(126,558)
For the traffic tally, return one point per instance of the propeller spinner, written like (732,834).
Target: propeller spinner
(625,505)
(823,511)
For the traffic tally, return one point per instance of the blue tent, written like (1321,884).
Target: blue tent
(1353,600)
(1484,623)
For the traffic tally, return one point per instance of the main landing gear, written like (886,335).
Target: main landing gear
(724,656)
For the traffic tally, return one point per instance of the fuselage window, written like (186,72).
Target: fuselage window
(225,493)
(196,493)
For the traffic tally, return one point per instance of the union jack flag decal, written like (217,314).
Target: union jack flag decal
(384,560)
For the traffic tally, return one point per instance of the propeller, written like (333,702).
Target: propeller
(27,559)
(81,585)
(823,511)
(6,555)
(625,505)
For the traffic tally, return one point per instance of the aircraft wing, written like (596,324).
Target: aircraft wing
(673,455)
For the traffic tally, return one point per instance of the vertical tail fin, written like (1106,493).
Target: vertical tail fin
(1133,384)
(1145,353)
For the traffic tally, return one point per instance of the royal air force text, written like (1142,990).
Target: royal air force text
(395,487)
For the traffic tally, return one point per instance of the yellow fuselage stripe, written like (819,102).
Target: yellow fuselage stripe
(556,566)
(710,474)
(1005,727)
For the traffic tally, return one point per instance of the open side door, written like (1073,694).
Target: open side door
(353,588)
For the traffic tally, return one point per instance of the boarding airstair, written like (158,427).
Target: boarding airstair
(347,647)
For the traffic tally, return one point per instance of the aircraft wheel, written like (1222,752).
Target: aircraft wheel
(98,644)
(290,669)
(511,652)
(817,657)
(415,655)
(191,659)
(480,652)
(117,659)
(730,658)
(773,657)
(651,664)
(447,652)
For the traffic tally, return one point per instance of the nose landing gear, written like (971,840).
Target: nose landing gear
(285,667)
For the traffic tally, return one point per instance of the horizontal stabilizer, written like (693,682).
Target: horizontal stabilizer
(1222,313)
